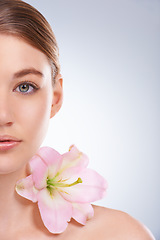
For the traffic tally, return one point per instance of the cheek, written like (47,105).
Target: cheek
(31,117)
(34,117)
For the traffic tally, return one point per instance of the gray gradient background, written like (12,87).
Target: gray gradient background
(110,55)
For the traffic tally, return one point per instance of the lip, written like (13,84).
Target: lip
(8,142)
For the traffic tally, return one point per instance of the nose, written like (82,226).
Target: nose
(6,118)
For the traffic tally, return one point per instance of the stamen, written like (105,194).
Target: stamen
(52,184)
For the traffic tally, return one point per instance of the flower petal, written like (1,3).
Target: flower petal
(39,172)
(26,189)
(73,163)
(92,188)
(82,212)
(52,158)
(45,164)
(55,211)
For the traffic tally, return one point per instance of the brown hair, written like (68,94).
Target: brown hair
(21,19)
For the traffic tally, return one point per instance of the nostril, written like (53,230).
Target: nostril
(9,123)
(6,117)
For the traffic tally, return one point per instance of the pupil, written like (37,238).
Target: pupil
(24,88)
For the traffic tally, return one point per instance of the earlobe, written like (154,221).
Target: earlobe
(57,95)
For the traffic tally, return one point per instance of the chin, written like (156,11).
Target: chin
(10,164)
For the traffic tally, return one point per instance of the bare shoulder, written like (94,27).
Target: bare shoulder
(113,224)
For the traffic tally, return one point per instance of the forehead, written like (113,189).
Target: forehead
(16,54)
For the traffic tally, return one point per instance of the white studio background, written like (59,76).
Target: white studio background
(110,55)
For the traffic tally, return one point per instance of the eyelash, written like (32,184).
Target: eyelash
(29,84)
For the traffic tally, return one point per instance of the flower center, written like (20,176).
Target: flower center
(52,184)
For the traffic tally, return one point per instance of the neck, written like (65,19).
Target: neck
(12,207)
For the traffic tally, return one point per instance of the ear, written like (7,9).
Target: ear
(57,95)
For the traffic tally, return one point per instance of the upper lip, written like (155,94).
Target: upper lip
(8,138)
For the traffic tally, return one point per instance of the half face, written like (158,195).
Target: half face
(27,101)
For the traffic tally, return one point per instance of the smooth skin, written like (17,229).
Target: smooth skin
(27,101)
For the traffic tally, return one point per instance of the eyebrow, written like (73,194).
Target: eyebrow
(27,71)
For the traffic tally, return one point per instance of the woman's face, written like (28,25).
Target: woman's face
(27,101)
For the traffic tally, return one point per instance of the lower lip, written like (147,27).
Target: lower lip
(4,146)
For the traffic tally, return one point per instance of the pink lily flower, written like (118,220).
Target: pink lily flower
(63,187)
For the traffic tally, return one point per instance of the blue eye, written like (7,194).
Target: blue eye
(26,88)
